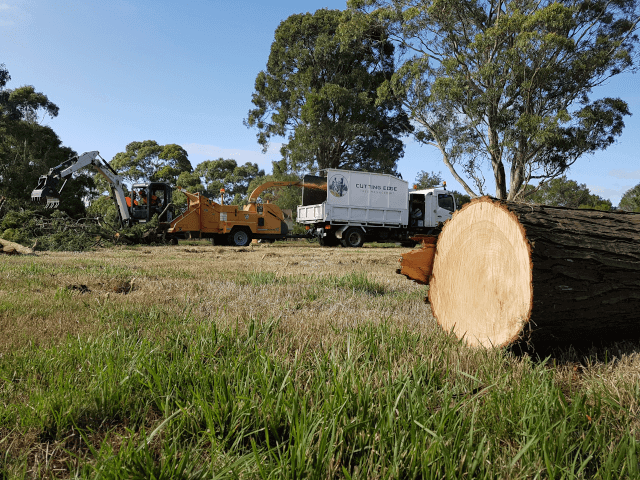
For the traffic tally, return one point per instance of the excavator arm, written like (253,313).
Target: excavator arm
(47,189)
(265,186)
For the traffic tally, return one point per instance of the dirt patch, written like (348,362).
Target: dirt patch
(79,288)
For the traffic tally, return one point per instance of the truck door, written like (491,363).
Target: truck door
(429,210)
(446,206)
(417,210)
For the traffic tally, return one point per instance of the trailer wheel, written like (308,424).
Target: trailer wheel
(239,238)
(352,237)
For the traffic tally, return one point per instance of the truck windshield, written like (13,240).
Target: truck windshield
(446,201)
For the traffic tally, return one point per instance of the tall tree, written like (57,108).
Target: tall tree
(148,161)
(29,149)
(630,201)
(504,85)
(321,92)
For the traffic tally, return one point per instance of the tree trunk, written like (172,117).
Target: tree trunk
(506,273)
(12,248)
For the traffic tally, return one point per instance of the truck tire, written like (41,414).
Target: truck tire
(352,237)
(239,238)
(219,239)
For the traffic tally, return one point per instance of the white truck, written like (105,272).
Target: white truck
(353,207)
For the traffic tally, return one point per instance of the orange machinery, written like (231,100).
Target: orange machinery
(231,224)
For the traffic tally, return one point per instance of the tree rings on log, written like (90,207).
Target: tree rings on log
(507,273)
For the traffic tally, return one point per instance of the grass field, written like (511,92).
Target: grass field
(283,361)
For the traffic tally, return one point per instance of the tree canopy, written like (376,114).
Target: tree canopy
(630,201)
(211,175)
(148,161)
(321,93)
(562,192)
(29,149)
(504,85)
(426,180)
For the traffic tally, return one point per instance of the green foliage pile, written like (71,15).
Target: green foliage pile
(380,402)
(57,231)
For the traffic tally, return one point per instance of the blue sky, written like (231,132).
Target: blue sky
(183,72)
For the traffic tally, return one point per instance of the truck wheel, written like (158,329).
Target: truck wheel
(239,238)
(352,237)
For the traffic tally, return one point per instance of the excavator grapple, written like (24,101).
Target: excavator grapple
(46,192)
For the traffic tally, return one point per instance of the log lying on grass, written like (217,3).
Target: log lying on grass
(12,248)
(508,273)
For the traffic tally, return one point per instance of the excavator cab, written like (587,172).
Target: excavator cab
(149,199)
(46,192)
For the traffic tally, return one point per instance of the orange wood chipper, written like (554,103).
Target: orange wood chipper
(231,224)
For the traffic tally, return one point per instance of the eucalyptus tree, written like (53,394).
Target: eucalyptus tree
(29,149)
(505,86)
(562,192)
(321,93)
(226,174)
(149,161)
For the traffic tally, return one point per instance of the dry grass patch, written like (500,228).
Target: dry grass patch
(45,298)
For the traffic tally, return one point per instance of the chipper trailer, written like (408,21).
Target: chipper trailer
(231,224)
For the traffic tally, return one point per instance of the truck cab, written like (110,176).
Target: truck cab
(429,207)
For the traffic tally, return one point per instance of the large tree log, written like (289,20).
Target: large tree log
(11,248)
(509,273)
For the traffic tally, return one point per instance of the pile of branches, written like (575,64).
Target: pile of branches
(59,232)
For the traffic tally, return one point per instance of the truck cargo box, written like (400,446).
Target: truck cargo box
(356,198)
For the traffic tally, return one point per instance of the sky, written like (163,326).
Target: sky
(183,72)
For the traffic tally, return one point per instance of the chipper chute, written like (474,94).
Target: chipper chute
(46,192)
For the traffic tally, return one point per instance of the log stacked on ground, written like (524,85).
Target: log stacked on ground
(508,273)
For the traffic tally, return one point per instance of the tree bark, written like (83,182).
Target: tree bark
(507,273)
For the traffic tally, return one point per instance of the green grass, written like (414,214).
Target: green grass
(322,364)
(382,403)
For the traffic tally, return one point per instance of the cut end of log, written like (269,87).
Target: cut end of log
(481,286)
